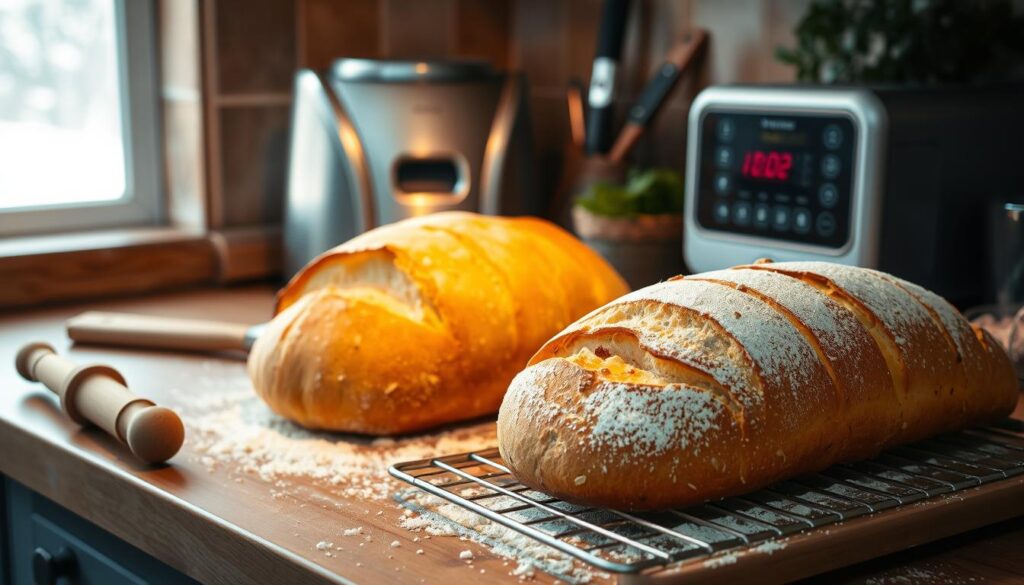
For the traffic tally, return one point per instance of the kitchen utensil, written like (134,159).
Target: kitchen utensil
(601,97)
(376,141)
(97,394)
(889,178)
(161,332)
(653,96)
(794,529)
(577,115)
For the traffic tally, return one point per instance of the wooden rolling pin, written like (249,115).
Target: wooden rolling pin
(97,394)
(151,332)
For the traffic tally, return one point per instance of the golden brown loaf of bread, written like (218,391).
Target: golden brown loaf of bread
(723,382)
(422,322)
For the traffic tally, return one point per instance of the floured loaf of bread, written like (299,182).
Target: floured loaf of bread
(422,322)
(723,382)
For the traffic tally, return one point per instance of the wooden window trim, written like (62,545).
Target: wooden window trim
(59,268)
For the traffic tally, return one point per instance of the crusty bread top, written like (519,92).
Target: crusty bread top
(732,379)
(424,321)
(498,284)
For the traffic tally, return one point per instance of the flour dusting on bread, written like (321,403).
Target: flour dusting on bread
(724,382)
(776,347)
(649,420)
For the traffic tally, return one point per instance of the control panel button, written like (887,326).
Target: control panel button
(832,137)
(723,157)
(762,213)
(726,129)
(780,218)
(825,225)
(801,220)
(721,212)
(830,166)
(741,213)
(828,195)
(723,183)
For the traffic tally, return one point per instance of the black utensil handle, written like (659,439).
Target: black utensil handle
(601,97)
(599,130)
(653,96)
(612,29)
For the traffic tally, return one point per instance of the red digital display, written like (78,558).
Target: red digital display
(771,165)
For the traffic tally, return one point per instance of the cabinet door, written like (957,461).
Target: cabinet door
(47,543)
(5,566)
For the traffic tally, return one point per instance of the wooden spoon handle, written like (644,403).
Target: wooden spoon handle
(156,332)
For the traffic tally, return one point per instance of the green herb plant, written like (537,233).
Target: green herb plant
(650,191)
(907,41)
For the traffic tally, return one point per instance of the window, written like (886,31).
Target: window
(79,146)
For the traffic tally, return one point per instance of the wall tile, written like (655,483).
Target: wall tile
(261,42)
(664,144)
(255,45)
(253,157)
(584,19)
(782,17)
(415,29)
(482,30)
(329,29)
(539,46)
(737,47)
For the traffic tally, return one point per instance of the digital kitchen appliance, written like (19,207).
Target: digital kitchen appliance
(373,142)
(896,179)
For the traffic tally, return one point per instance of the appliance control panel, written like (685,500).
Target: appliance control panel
(783,176)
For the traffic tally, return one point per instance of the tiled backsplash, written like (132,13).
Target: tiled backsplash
(251,48)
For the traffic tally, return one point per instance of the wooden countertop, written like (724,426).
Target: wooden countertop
(219,528)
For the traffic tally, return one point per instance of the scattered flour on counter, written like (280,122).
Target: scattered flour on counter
(769,547)
(728,559)
(229,426)
(938,572)
(437,517)
(523,571)
(231,429)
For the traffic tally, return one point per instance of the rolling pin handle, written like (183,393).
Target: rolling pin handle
(27,357)
(98,394)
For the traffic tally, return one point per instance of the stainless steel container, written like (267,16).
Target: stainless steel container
(377,141)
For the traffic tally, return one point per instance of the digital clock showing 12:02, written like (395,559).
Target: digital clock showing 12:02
(767,165)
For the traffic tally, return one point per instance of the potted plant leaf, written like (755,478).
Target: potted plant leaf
(920,42)
(637,225)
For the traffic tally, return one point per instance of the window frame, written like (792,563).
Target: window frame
(143,202)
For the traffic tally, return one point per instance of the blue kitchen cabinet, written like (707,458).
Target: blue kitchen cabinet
(42,543)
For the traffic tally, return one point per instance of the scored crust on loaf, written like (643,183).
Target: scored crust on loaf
(910,327)
(719,334)
(845,349)
(777,369)
(422,322)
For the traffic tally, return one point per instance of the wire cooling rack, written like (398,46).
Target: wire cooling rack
(627,543)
